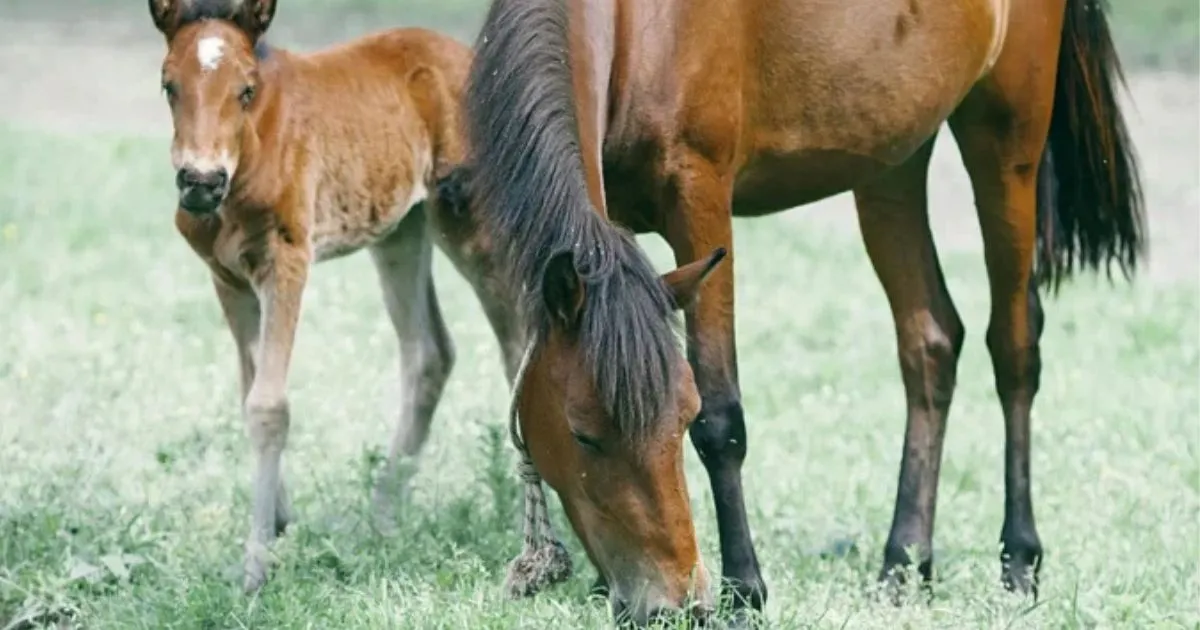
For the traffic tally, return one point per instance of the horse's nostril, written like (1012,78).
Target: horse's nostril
(188,177)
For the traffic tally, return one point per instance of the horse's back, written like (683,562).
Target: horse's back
(842,89)
(817,95)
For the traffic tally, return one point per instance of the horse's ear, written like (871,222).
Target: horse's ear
(163,14)
(684,282)
(562,290)
(257,16)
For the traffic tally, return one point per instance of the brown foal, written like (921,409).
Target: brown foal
(284,160)
(674,116)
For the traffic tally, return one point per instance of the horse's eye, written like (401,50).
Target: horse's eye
(170,89)
(586,441)
(247,95)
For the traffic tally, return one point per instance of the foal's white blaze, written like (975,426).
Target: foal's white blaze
(209,51)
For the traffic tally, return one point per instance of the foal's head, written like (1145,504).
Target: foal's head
(210,79)
(604,414)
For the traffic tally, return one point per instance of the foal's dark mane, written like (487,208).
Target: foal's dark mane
(528,186)
(229,10)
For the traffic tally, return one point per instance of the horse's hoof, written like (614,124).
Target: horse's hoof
(1020,577)
(894,585)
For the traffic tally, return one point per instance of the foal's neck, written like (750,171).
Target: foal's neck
(265,138)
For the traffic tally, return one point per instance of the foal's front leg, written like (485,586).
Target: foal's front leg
(244,316)
(279,290)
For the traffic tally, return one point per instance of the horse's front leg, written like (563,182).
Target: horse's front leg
(700,221)
(279,289)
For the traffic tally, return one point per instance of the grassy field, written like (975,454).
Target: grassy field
(124,469)
(123,496)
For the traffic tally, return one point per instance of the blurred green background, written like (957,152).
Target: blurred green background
(1153,34)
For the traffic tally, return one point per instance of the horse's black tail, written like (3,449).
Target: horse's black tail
(1089,194)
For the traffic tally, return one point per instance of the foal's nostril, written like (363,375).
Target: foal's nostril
(188,177)
(219,178)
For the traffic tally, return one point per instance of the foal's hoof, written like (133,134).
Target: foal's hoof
(256,564)
(599,588)
(253,581)
(383,519)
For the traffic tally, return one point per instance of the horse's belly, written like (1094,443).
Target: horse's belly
(771,182)
(347,223)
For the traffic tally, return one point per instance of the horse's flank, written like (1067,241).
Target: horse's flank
(346,140)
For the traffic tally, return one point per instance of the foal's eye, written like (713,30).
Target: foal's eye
(247,95)
(587,442)
(169,89)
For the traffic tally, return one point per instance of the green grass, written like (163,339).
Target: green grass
(124,470)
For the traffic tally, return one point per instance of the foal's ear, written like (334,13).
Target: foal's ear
(684,282)
(256,16)
(163,14)
(563,291)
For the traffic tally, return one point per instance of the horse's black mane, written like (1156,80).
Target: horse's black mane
(527,185)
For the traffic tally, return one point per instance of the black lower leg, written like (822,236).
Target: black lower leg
(1018,375)
(719,435)
(929,366)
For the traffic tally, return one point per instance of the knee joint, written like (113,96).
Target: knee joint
(1015,366)
(439,360)
(930,355)
(719,433)
(267,417)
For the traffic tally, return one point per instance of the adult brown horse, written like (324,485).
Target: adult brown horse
(674,116)
(285,160)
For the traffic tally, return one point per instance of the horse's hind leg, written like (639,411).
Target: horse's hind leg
(893,217)
(1001,130)
(404,263)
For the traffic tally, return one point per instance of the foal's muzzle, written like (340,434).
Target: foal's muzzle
(201,192)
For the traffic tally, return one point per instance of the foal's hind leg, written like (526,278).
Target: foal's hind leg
(893,217)
(1001,130)
(404,262)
